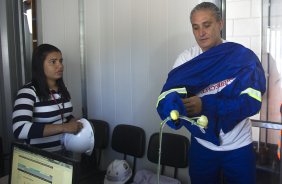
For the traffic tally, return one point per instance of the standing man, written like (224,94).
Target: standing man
(228,82)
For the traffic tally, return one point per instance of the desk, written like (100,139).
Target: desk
(4,179)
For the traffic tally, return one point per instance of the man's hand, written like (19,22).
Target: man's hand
(193,105)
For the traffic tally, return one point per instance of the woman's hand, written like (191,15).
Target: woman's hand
(73,126)
(193,105)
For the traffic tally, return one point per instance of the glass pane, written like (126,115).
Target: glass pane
(257,25)
(267,158)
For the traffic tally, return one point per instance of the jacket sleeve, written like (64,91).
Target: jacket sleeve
(239,100)
(171,100)
(23,127)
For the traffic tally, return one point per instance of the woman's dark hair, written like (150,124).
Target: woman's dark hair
(38,75)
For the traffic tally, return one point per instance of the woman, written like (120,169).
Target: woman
(42,109)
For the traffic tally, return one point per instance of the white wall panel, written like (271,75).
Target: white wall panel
(157,56)
(140,63)
(53,23)
(232,9)
(245,27)
(123,63)
(276,8)
(108,79)
(60,27)
(130,46)
(93,58)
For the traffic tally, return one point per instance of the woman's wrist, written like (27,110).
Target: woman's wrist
(62,128)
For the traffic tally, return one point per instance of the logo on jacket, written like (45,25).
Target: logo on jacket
(215,88)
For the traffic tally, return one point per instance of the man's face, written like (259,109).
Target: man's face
(206,29)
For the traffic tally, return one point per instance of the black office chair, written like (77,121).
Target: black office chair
(90,171)
(174,151)
(4,160)
(129,140)
(1,158)
(101,138)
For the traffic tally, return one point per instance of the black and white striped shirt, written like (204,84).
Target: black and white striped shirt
(30,115)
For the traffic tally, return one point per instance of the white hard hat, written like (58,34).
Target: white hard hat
(83,141)
(118,172)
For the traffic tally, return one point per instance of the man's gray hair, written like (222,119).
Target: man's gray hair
(207,6)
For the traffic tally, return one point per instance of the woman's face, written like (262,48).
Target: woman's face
(53,67)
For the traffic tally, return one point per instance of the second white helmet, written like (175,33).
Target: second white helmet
(118,172)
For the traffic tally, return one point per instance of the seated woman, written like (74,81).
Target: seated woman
(42,109)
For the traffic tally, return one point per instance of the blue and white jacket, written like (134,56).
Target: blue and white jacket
(232,78)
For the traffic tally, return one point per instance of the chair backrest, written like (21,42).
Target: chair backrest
(174,151)
(90,171)
(1,158)
(101,136)
(129,140)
